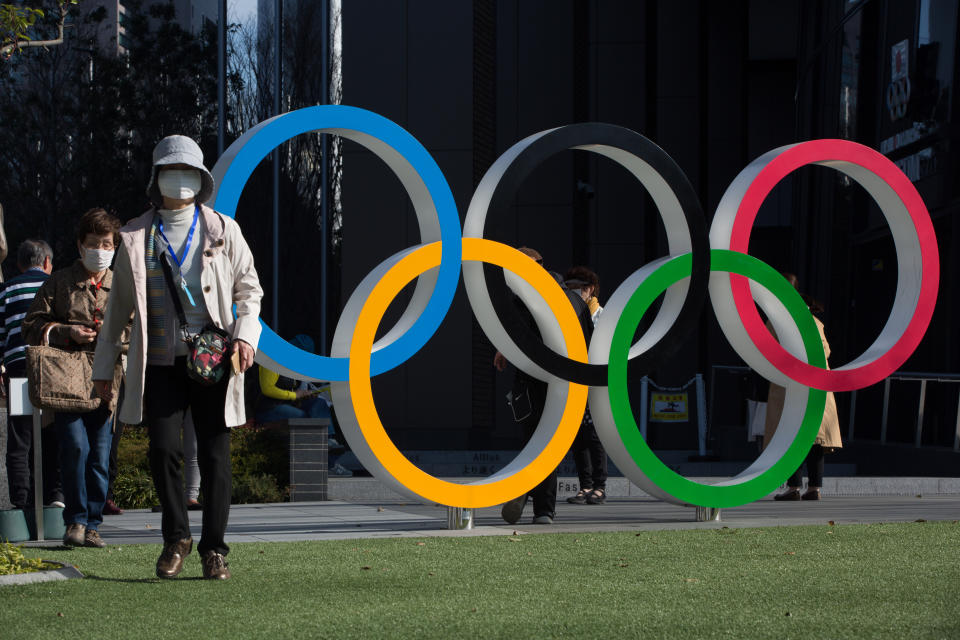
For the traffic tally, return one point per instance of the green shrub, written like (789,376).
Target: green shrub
(260,467)
(256,452)
(133,489)
(256,488)
(12,561)
(133,447)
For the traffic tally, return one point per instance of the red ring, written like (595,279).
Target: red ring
(816,151)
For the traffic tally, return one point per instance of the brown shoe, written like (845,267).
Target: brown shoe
(789,494)
(110,508)
(214,566)
(170,562)
(92,539)
(811,494)
(75,535)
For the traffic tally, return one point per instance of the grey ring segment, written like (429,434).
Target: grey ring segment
(340,391)
(909,266)
(599,351)
(787,429)
(679,241)
(423,205)
(557,390)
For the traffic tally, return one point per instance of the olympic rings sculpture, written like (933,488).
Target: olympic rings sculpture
(698,262)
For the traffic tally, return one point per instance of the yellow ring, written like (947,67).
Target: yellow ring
(483,493)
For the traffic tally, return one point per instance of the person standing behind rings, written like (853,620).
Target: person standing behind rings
(589,456)
(68,313)
(531,394)
(213,272)
(828,438)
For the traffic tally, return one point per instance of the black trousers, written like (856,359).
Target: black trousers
(544,494)
(589,456)
(20,457)
(168,393)
(814,462)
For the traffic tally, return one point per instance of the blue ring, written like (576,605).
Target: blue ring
(274,132)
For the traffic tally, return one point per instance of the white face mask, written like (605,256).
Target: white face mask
(179,184)
(96,260)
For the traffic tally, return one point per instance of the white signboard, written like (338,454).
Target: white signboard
(899,62)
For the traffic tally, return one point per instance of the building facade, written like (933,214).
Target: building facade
(715,85)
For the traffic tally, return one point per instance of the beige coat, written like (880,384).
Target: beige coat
(68,298)
(228,278)
(829,435)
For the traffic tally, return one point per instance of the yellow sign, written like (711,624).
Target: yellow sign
(669,407)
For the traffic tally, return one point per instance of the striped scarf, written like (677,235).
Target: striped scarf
(158,345)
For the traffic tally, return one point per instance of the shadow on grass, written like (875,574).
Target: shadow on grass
(90,576)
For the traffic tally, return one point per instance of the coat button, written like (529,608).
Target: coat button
(208,253)
(206,289)
(218,243)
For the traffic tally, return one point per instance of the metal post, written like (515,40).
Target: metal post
(458,518)
(708,514)
(853,414)
(956,440)
(324,169)
(38,471)
(923,399)
(701,417)
(886,404)
(713,387)
(645,411)
(221,76)
(277,106)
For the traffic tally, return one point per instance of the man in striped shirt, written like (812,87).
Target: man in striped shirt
(35,261)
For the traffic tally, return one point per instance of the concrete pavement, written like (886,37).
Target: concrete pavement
(333,520)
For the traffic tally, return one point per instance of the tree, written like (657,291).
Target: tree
(16,22)
(79,123)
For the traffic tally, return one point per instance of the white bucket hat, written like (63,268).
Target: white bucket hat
(179,150)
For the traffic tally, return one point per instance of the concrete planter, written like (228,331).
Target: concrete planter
(18,525)
(13,526)
(62,572)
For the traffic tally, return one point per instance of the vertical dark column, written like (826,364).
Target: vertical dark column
(324,171)
(221,76)
(651,38)
(277,105)
(581,113)
(484,153)
(703,329)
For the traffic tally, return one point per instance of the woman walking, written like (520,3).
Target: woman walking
(182,245)
(67,312)
(828,438)
(589,456)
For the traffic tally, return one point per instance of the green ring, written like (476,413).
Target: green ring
(666,479)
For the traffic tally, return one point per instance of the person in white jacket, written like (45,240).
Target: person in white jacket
(213,273)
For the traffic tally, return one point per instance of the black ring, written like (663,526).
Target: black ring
(591,134)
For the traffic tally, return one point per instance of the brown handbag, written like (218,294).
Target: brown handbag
(62,380)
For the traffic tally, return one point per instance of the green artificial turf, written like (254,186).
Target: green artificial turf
(852,581)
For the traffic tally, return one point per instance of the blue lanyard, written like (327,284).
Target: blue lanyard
(186,245)
(186,249)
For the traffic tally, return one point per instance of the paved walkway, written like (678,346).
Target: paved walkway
(341,520)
